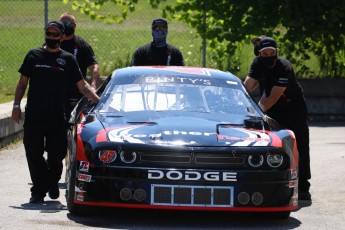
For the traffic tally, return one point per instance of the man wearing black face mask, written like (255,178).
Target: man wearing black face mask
(85,56)
(47,71)
(158,52)
(282,99)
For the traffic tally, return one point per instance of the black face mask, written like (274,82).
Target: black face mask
(52,43)
(268,61)
(69,30)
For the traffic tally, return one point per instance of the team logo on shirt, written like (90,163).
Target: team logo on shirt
(61,61)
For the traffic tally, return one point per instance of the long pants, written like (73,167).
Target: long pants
(297,121)
(38,137)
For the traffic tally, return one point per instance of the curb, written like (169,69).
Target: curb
(10,131)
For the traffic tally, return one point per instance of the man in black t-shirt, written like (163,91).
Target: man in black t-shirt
(282,99)
(158,52)
(85,56)
(47,70)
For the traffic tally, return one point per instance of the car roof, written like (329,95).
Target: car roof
(190,71)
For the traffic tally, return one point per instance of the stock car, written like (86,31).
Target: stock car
(179,138)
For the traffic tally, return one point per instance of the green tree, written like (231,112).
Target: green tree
(303,28)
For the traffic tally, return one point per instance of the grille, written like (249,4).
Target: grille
(177,195)
(191,158)
(166,158)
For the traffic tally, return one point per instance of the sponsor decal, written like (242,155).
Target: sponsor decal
(80,197)
(294,174)
(177,80)
(191,175)
(107,156)
(80,193)
(293,184)
(190,70)
(53,67)
(252,137)
(84,177)
(84,166)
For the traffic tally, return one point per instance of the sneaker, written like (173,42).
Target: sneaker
(54,192)
(304,196)
(35,199)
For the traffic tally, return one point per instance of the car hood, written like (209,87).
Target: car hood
(183,130)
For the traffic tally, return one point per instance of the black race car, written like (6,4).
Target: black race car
(179,138)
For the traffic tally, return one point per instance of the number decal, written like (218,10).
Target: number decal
(107,156)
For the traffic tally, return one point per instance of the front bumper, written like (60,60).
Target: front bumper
(188,189)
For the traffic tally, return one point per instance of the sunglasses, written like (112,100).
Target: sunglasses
(160,28)
(68,24)
(51,34)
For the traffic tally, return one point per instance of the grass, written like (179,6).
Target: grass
(22,23)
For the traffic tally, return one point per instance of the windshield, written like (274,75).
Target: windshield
(177,96)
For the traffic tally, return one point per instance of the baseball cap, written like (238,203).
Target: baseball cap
(159,21)
(267,43)
(257,39)
(57,25)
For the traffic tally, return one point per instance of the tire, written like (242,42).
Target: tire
(71,178)
(73,208)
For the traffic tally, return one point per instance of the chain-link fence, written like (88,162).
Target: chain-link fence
(22,23)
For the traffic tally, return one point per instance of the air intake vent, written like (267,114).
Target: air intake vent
(177,195)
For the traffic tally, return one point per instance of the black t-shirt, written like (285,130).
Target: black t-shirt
(85,56)
(151,55)
(49,74)
(282,74)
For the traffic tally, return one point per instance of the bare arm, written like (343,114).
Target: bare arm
(20,90)
(250,84)
(267,102)
(87,91)
(95,76)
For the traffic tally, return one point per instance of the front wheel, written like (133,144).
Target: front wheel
(70,190)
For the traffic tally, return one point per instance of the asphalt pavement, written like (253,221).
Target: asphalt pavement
(326,211)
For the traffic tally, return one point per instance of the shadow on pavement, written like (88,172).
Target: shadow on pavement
(49,206)
(46,207)
(113,218)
